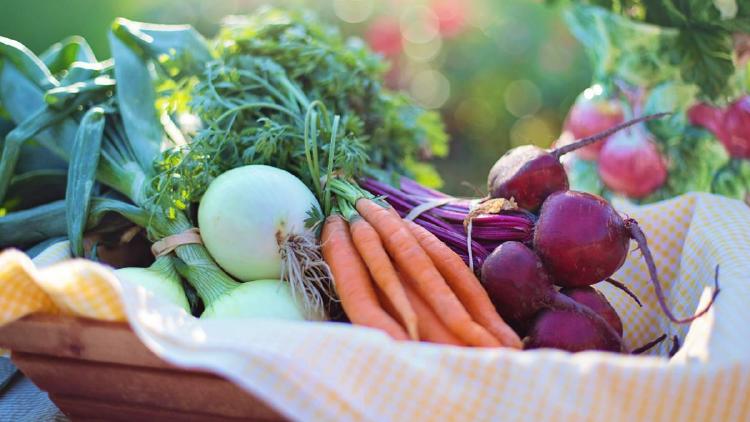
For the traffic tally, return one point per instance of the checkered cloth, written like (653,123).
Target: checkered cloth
(329,371)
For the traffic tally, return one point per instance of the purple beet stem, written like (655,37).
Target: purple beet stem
(446,222)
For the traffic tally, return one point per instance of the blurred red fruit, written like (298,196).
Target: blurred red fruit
(591,114)
(384,36)
(451,16)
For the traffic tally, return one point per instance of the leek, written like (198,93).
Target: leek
(26,227)
(83,162)
(127,154)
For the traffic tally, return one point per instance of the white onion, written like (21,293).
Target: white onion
(161,279)
(247,213)
(257,299)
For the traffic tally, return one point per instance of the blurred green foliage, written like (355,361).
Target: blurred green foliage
(511,68)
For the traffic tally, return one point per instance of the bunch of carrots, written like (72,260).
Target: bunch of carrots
(392,274)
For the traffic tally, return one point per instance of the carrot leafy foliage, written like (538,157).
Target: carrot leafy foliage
(278,84)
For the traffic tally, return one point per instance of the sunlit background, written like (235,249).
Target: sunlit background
(502,73)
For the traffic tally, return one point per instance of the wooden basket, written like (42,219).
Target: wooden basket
(95,370)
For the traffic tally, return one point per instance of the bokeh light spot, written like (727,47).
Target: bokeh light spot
(419,24)
(353,11)
(476,115)
(430,88)
(522,97)
(531,130)
(423,52)
(593,91)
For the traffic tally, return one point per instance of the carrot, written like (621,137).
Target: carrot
(465,285)
(352,280)
(371,250)
(431,329)
(416,264)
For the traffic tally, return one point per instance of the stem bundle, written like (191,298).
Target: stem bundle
(447,221)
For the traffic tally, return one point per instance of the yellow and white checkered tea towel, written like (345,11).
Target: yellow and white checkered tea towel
(329,371)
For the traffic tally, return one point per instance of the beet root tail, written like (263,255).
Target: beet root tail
(648,346)
(640,238)
(625,289)
(675,346)
(559,152)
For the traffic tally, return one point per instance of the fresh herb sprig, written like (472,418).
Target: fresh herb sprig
(254,102)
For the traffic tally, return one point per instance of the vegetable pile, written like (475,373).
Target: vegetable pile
(578,240)
(687,57)
(267,173)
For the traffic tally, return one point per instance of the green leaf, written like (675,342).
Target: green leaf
(27,227)
(136,99)
(37,187)
(621,48)
(179,49)
(705,59)
(695,43)
(33,156)
(84,160)
(736,25)
(733,179)
(33,225)
(252,102)
(26,130)
(101,206)
(27,63)
(61,55)
(22,98)
(29,125)
(63,95)
(583,175)
(424,174)
(672,96)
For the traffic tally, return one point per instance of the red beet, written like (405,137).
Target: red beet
(571,331)
(736,132)
(708,117)
(516,281)
(631,164)
(519,287)
(582,240)
(592,113)
(598,303)
(568,329)
(529,174)
(730,125)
